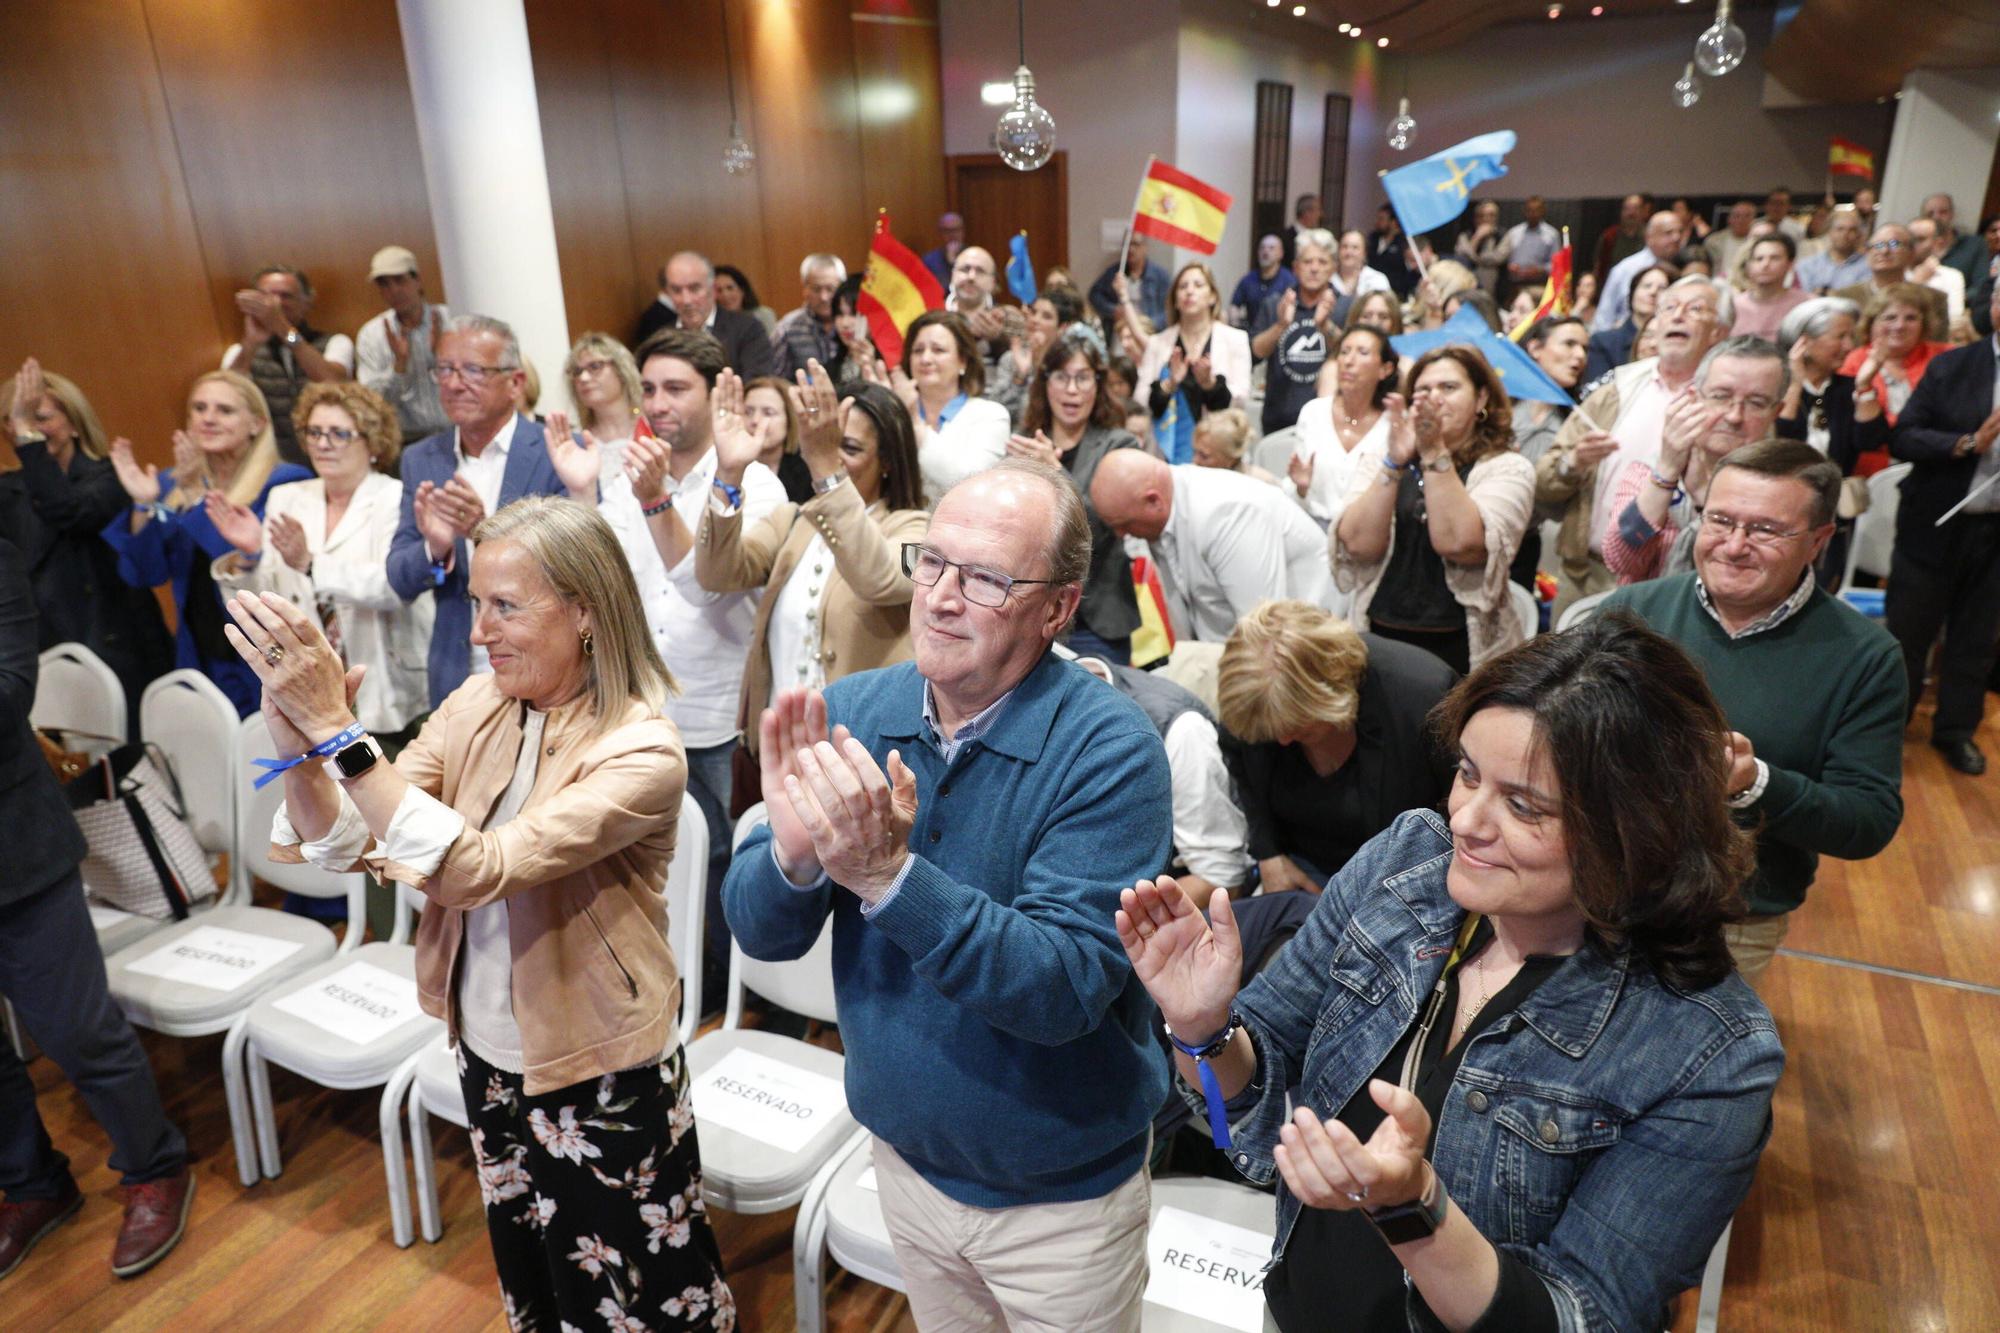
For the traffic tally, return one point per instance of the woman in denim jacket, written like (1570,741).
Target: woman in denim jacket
(1505,1072)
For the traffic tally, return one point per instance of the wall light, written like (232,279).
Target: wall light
(1555,11)
(997,92)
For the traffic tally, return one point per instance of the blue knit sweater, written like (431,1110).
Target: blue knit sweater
(995,1034)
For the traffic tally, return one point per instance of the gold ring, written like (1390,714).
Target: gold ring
(273,653)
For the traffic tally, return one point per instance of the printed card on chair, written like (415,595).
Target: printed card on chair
(360,1003)
(215,957)
(767,1099)
(1209,1269)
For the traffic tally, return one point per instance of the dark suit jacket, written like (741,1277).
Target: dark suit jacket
(1937,317)
(1847,439)
(45,843)
(746,348)
(435,459)
(1953,397)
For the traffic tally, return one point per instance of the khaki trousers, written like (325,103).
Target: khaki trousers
(1754,941)
(1037,1268)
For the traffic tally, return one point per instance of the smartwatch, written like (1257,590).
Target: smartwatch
(830,482)
(1420,1217)
(352,761)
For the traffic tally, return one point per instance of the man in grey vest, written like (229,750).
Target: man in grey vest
(282,351)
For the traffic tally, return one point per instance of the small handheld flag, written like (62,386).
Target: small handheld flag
(895,289)
(1844,157)
(1020,272)
(1555,294)
(1519,375)
(1176,208)
(1430,192)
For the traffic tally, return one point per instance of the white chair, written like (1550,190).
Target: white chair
(426,1084)
(185,1008)
(1708,1308)
(1273,453)
(1873,540)
(1580,610)
(1526,608)
(195,726)
(76,692)
(268,1034)
(745,1174)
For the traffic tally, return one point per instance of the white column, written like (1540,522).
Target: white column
(1946,124)
(480,128)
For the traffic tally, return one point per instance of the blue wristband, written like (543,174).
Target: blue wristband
(439,571)
(1211,1090)
(332,745)
(730,493)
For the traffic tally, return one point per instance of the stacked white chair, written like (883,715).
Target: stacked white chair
(426,1084)
(1526,608)
(739,1172)
(1580,610)
(1273,453)
(200,735)
(77,693)
(1874,536)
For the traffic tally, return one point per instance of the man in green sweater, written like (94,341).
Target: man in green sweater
(1814,690)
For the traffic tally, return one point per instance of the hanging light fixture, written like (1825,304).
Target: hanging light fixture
(1687,88)
(1403,129)
(1721,46)
(1026,134)
(738,157)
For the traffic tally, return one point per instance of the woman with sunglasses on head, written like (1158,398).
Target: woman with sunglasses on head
(1505,1076)
(836,599)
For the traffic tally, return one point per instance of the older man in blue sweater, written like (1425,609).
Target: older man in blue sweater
(969,821)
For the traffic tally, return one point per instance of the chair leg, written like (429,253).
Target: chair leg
(15,1037)
(809,1270)
(1710,1308)
(242,1119)
(424,1166)
(395,1167)
(257,1073)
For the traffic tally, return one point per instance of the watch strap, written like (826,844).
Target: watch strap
(830,482)
(1420,1217)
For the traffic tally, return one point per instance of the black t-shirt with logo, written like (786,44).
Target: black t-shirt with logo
(1291,380)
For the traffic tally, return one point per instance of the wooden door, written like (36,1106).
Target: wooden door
(997,201)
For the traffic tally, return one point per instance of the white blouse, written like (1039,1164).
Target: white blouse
(1334,464)
(794,629)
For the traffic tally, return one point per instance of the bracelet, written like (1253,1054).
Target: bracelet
(732,494)
(661,506)
(1664,483)
(1211,1089)
(1393,468)
(275,768)
(439,570)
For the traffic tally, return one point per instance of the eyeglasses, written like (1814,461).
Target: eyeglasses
(1750,402)
(981,586)
(1082,379)
(331,435)
(1757,534)
(589,368)
(1692,309)
(471,372)
(1884,247)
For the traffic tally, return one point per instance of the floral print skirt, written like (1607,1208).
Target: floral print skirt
(593,1202)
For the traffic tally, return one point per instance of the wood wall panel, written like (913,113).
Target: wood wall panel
(298,143)
(103,279)
(899,91)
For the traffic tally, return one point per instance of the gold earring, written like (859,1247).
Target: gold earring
(589,644)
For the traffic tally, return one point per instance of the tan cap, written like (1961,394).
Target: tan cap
(391,261)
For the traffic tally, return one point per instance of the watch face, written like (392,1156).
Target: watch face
(355,760)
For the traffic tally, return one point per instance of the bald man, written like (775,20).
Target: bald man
(687,300)
(1663,241)
(1223,542)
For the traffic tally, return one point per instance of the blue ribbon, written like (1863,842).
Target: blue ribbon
(332,745)
(1211,1092)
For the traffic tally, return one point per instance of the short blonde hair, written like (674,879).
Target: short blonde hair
(1287,666)
(579,555)
(1447,278)
(69,399)
(258,459)
(374,418)
(1227,431)
(622,364)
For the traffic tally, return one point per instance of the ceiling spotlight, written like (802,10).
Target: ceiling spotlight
(1272,3)
(1381,41)
(1555,11)
(1298,11)
(1597,11)
(1342,29)
(997,92)
(1354,30)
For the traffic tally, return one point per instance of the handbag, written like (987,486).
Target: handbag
(143,857)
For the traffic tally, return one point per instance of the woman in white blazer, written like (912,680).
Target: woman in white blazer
(1195,365)
(940,382)
(324,545)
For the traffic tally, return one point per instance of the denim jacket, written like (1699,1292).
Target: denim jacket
(1603,1133)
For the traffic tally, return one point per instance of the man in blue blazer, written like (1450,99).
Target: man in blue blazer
(1948,578)
(491,457)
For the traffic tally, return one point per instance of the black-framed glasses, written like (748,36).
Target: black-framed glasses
(1757,534)
(332,434)
(981,586)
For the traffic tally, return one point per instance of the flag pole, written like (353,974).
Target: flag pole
(1132,218)
(1408,240)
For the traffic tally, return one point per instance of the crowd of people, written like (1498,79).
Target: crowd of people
(1072,704)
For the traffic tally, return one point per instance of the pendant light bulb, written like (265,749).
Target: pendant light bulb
(1403,129)
(1721,46)
(1687,88)
(1026,135)
(738,157)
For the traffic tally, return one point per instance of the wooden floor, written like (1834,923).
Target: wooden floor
(1874,1208)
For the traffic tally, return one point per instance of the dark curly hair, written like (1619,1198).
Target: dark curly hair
(1640,748)
(1492,433)
(1103,411)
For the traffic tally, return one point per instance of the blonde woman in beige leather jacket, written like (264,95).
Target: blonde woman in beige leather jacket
(536,809)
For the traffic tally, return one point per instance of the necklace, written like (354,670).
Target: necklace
(1465,1022)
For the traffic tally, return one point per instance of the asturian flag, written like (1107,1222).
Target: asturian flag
(895,289)
(1432,191)
(1518,373)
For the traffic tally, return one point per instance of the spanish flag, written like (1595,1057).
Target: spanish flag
(1153,641)
(895,289)
(1844,157)
(1555,295)
(1176,208)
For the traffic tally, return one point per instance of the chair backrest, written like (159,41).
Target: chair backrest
(1527,608)
(1273,453)
(76,692)
(1874,536)
(255,807)
(804,985)
(687,895)
(1580,610)
(194,725)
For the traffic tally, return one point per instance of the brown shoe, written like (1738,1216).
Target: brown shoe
(24,1223)
(155,1216)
